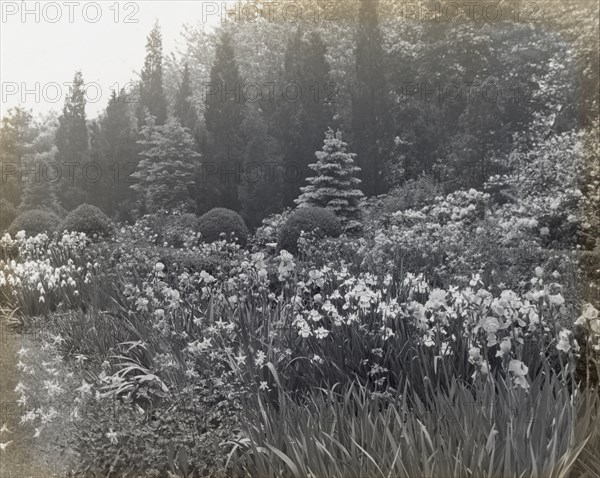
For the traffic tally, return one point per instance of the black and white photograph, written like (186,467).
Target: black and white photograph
(300,239)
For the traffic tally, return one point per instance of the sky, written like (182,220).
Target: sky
(43,43)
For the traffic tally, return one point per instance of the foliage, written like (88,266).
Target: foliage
(164,175)
(114,148)
(72,143)
(8,214)
(34,222)
(17,134)
(221,223)
(334,186)
(311,220)
(371,117)
(152,99)
(223,115)
(304,110)
(207,364)
(89,220)
(414,194)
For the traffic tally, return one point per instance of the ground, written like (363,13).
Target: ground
(18,460)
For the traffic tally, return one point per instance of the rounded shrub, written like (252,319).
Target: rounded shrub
(219,221)
(34,222)
(88,219)
(318,221)
(8,214)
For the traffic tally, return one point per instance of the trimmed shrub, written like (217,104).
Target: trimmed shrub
(219,221)
(7,214)
(88,219)
(318,221)
(34,222)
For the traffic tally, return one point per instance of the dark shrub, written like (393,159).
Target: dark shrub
(7,214)
(88,219)
(34,222)
(220,220)
(314,220)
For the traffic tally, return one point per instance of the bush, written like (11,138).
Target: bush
(34,222)
(179,230)
(7,214)
(88,219)
(414,194)
(219,221)
(317,221)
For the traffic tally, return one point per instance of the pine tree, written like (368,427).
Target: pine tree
(165,175)
(334,186)
(224,115)
(152,100)
(72,141)
(370,115)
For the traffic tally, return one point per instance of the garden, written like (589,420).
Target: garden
(421,300)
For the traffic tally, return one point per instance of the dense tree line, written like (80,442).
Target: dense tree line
(234,119)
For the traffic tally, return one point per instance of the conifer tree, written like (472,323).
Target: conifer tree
(224,114)
(335,184)
(152,100)
(184,110)
(370,115)
(72,141)
(304,119)
(165,174)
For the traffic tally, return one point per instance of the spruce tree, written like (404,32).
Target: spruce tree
(335,185)
(72,141)
(165,174)
(152,100)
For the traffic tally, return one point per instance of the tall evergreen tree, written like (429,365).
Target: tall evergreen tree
(72,141)
(113,145)
(304,119)
(261,187)
(370,115)
(152,100)
(224,115)
(335,184)
(184,109)
(120,155)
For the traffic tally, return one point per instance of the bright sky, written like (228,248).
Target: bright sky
(40,48)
